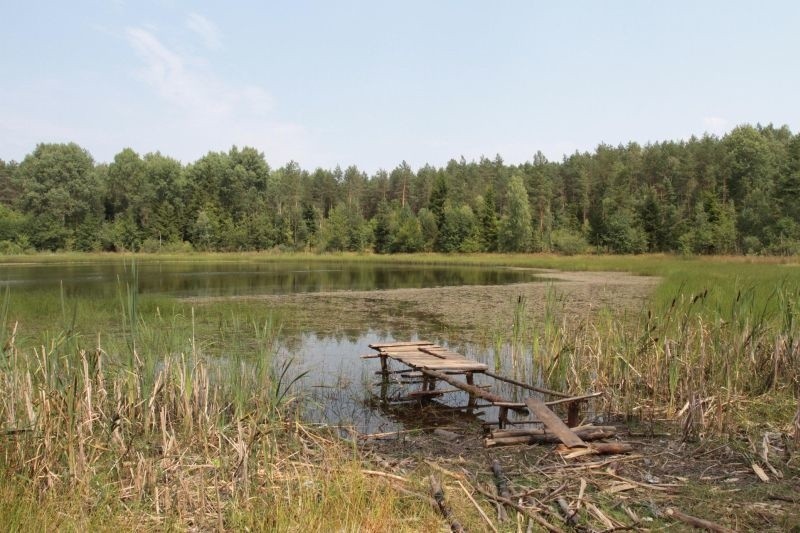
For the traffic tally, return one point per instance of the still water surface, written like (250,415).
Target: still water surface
(239,278)
(338,383)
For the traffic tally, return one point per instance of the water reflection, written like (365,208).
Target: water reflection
(342,387)
(237,278)
(339,382)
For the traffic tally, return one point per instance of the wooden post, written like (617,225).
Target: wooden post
(573,414)
(502,417)
(472,398)
(384,377)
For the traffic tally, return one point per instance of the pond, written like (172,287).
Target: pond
(240,277)
(337,308)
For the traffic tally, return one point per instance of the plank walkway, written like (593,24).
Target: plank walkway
(426,355)
(434,364)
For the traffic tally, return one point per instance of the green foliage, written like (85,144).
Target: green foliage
(488,221)
(702,196)
(516,234)
(345,230)
(406,234)
(568,242)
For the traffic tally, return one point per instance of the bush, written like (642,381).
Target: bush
(568,242)
(10,248)
(152,246)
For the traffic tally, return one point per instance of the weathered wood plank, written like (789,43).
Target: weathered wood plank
(553,423)
(472,389)
(379,345)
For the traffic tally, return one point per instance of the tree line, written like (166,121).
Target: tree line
(739,193)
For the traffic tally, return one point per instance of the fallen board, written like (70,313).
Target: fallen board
(553,423)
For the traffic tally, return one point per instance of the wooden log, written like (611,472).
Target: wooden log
(581,431)
(698,523)
(444,508)
(547,438)
(471,389)
(553,423)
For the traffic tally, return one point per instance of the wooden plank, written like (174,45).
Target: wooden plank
(472,389)
(401,349)
(454,366)
(575,398)
(442,352)
(431,352)
(554,424)
(379,345)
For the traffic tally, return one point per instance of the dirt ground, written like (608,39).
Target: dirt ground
(712,480)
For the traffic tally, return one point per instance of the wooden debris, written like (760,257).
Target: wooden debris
(610,448)
(478,507)
(438,495)
(760,473)
(447,435)
(588,432)
(553,423)
(698,523)
(526,386)
(570,516)
(501,484)
(527,512)
(474,390)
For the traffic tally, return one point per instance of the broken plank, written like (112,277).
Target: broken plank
(575,398)
(471,389)
(553,423)
(526,386)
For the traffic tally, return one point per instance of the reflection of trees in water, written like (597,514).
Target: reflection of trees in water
(241,278)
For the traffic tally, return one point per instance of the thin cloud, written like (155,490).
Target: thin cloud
(184,85)
(206,29)
(207,111)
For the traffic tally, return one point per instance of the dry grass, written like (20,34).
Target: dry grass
(92,438)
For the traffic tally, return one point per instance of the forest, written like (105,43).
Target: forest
(735,194)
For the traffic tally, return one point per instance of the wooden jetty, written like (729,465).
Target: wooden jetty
(431,364)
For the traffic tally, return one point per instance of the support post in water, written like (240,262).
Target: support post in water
(470,381)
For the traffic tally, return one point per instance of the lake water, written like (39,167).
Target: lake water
(339,382)
(242,277)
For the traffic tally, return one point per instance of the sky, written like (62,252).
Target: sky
(374,83)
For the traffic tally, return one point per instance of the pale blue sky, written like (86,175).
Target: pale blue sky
(375,83)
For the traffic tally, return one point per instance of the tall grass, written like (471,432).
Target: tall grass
(705,357)
(151,424)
